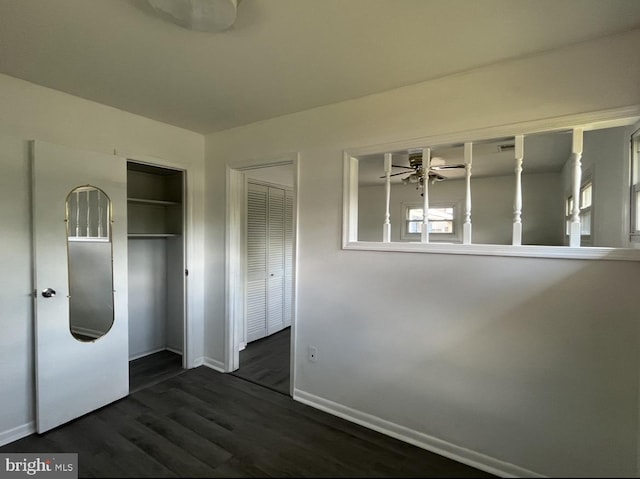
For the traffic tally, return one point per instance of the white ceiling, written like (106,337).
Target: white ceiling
(281,56)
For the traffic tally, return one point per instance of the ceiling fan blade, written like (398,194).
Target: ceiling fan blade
(396,174)
(448,167)
(402,166)
(436,176)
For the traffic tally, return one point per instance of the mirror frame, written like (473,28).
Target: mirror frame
(587,121)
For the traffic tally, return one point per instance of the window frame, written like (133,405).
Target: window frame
(454,237)
(600,119)
(585,239)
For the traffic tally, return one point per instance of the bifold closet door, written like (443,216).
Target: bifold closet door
(275,261)
(268,261)
(257,202)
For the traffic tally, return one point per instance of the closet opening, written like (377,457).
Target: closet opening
(156,272)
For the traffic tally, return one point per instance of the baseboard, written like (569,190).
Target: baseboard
(214,364)
(147,353)
(17,433)
(430,443)
(198,362)
(174,350)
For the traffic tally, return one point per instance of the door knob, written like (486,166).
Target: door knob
(49,293)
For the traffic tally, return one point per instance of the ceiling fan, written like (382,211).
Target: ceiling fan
(418,174)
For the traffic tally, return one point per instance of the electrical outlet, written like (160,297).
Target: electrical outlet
(313,354)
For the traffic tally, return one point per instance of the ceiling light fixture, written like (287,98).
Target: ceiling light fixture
(201,15)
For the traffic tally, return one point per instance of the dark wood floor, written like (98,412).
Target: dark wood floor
(202,423)
(152,369)
(267,361)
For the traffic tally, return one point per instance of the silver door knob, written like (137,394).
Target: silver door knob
(49,293)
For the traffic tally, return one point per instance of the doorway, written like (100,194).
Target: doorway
(261,273)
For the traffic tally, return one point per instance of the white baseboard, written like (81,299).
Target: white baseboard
(17,433)
(198,362)
(214,364)
(146,353)
(174,350)
(430,443)
(153,351)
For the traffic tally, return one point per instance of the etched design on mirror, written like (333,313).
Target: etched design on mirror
(90,263)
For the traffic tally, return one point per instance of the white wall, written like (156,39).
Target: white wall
(492,208)
(148,303)
(520,364)
(90,287)
(32,112)
(277,175)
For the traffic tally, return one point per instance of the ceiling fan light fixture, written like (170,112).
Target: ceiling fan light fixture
(200,15)
(437,161)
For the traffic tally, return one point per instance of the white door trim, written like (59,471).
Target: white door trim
(235,271)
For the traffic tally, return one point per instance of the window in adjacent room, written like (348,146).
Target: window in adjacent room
(442,222)
(586,201)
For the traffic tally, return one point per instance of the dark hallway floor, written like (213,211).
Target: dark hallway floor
(267,361)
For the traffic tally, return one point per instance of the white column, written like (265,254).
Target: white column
(576,157)
(88,215)
(466,227)
(100,213)
(426,165)
(386,228)
(517,202)
(77,214)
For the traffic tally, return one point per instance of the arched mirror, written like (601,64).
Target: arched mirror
(88,218)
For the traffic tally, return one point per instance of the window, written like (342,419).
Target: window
(586,201)
(442,222)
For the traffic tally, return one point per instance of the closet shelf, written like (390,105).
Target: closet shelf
(151,202)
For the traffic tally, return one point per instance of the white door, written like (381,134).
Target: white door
(275,261)
(257,201)
(269,260)
(80,281)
